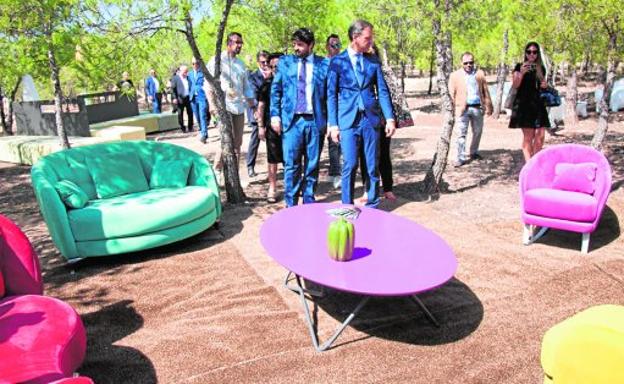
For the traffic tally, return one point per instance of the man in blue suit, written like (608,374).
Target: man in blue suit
(299,113)
(152,90)
(199,103)
(357,96)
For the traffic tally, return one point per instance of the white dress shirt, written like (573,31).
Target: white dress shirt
(234,83)
(309,80)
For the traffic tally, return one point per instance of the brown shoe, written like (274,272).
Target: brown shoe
(390,195)
(271,197)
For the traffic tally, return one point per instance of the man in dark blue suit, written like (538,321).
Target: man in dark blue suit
(299,113)
(199,103)
(357,95)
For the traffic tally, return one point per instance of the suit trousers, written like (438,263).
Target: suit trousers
(362,134)
(334,155)
(254,143)
(474,117)
(200,110)
(184,103)
(301,154)
(385,164)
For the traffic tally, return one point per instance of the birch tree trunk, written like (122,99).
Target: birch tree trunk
(501,76)
(233,189)
(431,63)
(571,119)
(58,96)
(2,115)
(10,116)
(603,118)
(433,178)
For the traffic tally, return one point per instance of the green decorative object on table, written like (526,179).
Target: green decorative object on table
(341,240)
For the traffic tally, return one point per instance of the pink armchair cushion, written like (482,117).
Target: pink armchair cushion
(564,205)
(18,261)
(2,289)
(575,177)
(42,339)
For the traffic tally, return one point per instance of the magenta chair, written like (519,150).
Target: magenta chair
(42,339)
(564,187)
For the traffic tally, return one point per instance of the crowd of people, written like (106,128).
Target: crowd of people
(296,102)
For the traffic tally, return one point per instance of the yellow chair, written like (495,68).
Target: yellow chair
(587,348)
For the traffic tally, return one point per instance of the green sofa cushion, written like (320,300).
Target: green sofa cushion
(117,175)
(140,213)
(170,173)
(71,194)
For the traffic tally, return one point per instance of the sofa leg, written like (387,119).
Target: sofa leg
(585,243)
(526,235)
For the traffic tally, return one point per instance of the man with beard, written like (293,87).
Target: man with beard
(298,112)
(238,91)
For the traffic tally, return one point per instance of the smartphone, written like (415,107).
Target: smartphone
(532,67)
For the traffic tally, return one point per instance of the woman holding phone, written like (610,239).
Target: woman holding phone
(528,111)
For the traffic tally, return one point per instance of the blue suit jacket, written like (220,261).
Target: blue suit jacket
(150,86)
(343,90)
(284,91)
(197,85)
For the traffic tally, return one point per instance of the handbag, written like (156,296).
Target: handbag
(511,97)
(404,119)
(550,97)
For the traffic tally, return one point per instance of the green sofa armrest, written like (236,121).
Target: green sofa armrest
(54,213)
(202,174)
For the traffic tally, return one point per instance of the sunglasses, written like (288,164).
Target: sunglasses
(263,62)
(531,52)
(336,46)
(468,62)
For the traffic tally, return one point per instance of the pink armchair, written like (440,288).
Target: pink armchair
(564,187)
(42,339)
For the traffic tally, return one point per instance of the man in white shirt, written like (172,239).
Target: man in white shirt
(238,92)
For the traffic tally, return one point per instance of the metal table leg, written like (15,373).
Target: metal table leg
(302,291)
(426,310)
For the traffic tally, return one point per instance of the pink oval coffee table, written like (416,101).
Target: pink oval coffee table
(393,256)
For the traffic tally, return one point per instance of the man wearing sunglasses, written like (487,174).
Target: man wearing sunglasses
(333,46)
(469,91)
(256,79)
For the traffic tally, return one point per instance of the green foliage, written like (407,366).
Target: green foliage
(96,40)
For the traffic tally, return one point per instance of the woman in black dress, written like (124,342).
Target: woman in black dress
(528,111)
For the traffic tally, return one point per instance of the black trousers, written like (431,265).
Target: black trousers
(185,103)
(385,164)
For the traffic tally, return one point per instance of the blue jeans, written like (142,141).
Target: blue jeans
(301,152)
(200,108)
(361,134)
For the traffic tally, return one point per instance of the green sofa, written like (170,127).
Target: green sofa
(112,221)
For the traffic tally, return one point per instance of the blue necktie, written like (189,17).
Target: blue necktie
(359,72)
(302,103)
(359,69)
